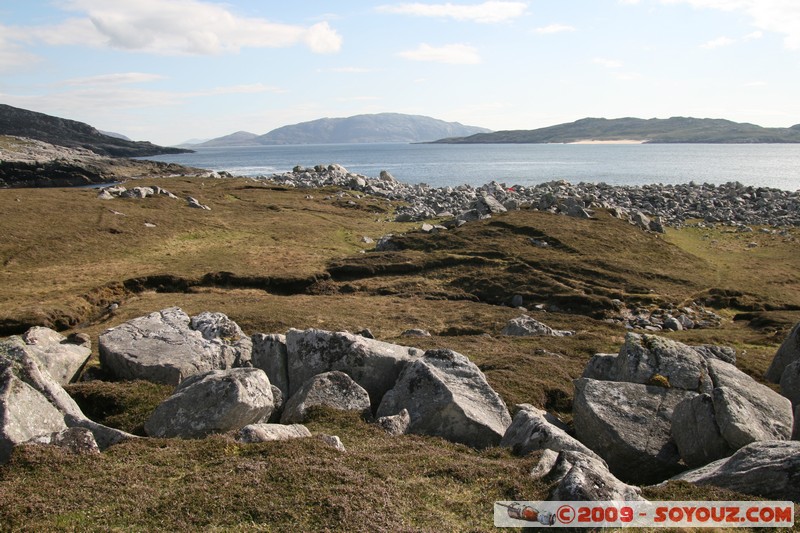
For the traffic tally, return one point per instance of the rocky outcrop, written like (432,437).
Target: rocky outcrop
(334,389)
(530,431)
(253,433)
(447,396)
(373,364)
(213,402)
(581,477)
(62,359)
(168,346)
(769,469)
(525,326)
(628,425)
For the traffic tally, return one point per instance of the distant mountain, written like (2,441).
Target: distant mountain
(73,134)
(240,138)
(654,130)
(378,128)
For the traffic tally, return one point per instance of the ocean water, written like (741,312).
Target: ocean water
(759,165)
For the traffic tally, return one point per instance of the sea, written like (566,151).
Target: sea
(439,165)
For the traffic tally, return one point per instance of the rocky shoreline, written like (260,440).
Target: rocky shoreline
(650,206)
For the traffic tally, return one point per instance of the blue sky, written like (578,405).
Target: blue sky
(172,70)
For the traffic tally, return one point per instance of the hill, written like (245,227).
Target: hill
(376,128)
(72,134)
(654,130)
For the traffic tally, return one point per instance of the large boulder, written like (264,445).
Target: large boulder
(447,396)
(214,402)
(253,433)
(269,354)
(582,477)
(331,389)
(32,392)
(24,414)
(788,353)
(373,364)
(644,357)
(530,430)
(628,425)
(696,432)
(525,326)
(769,469)
(790,383)
(168,346)
(62,359)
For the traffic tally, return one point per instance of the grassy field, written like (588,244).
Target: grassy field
(274,258)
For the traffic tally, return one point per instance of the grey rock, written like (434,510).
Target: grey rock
(253,433)
(796,431)
(333,441)
(373,364)
(415,332)
(395,425)
(269,354)
(745,410)
(525,326)
(644,357)
(600,366)
(580,477)
(714,351)
(547,460)
(162,347)
(75,440)
(629,426)
(447,396)
(673,324)
(333,389)
(235,345)
(213,402)
(517,300)
(788,353)
(61,359)
(488,205)
(696,433)
(386,244)
(530,431)
(195,203)
(278,402)
(790,383)
(769,469)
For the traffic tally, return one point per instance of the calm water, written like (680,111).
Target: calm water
(768,165)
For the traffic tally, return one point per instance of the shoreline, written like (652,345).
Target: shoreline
(615,141)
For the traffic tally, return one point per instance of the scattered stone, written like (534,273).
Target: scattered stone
(193,202)
(517,300)
(334,389)
(447,396)
(74,440)
(395,425)
(333,441)
(415,333)
(530,431)
(367,240)
(525,326)
(165,347)
(213,402)
(253,433)
(769,469)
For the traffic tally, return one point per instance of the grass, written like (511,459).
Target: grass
(291,261)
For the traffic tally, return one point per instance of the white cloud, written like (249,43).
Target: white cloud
(753,36)
(777,16)
(719,42)
(554,28)
(12,55)
(177,27)
(347,70)
(486,12)
(454,54)
(115,79)
(607,63)
(756,84)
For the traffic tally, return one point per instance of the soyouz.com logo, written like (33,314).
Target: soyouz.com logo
(644,514)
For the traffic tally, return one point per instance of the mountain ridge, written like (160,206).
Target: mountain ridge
(364,128)
(654,130)
(68,133)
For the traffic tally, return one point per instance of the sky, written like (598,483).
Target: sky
(169,71)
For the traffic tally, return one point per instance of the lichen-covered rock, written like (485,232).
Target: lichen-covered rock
(581,477)
(214,402)
(769,469)
(447,396)
(253,433)
(600,366)
(395,425)
(334,389)
(373,364)
(75,440)
(696,433)
(525,326)
(530,431)
(62,359)
(168,346)
(629,426)
(333,441)
(269,354)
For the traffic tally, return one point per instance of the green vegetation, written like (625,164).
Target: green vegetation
(272,259)
(671,130)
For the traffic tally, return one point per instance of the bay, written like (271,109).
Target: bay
(758,165)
